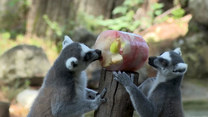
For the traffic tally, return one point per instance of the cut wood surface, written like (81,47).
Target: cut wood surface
(4,109)
(118,101)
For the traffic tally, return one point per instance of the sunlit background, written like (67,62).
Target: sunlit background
(31,32)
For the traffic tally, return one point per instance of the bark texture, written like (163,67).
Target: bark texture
(59,11)
(100,7)
(118,101)
(64,13)
(4,109)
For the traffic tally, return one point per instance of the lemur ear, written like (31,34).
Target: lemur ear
(178,50)
(71,63)
(180,68)
(67,41)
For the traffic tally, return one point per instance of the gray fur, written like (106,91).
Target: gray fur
(64,92)
(160,96)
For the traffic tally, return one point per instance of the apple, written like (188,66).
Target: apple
(122,50)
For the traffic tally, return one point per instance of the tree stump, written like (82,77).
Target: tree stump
(118,101)
(4,109)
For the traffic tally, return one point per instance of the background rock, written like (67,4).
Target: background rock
(168,30)
(84,36)
(23,61)
(195,54)
(26,97)
(194,44)
(193,91)
(199,10)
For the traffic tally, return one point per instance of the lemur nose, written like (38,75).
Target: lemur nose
(151,59)
(98,52)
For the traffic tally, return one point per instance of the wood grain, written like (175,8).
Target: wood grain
(118,101)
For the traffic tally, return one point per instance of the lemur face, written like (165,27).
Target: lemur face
(169,63)
(78,56)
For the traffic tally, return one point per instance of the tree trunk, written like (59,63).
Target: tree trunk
(100,7)
(2,5)
(4,109)
(118,101)
(52,18)
(44,12)
(168,4)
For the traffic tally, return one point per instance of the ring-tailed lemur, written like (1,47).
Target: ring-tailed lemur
(64,92)
(160,96)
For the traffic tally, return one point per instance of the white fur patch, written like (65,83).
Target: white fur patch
(81,84)
(181,66)
(69,62)
(85,49)
(166,55)
(160,78)
(155,83)
(178,50)
(67,41)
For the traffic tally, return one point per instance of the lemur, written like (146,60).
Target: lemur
(63,92)
(160,96)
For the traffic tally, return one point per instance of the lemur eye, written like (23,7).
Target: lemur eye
(88,56)
(163,62)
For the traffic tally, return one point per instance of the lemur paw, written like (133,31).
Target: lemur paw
(71,63)
(91,94)
(123,78)
(102,94)
(99,99)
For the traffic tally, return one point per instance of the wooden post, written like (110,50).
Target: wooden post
(4,109)
(118,101)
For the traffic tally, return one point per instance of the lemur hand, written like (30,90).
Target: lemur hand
(99,99)
(91,94)
(124,78)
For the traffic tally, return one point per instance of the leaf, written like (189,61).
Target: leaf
(6,35)
(178,13)
(158,12)
(120,9)
(156,6)
(132,2)
(128,2)
(135,25)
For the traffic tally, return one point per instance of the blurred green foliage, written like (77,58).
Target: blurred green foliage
(178,13)
(157,9)
(123,17)
(54,26)
(13,29)
(6,35)
(24,3)
(13,17)
(123,21)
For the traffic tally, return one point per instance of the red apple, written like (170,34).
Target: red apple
(122,50)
